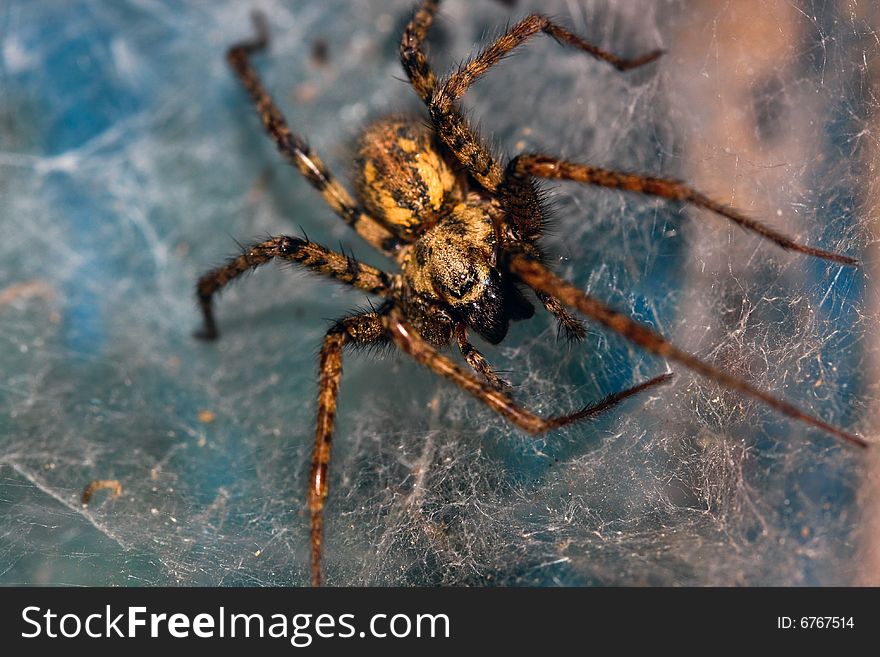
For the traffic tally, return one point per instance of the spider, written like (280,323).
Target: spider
(464,230)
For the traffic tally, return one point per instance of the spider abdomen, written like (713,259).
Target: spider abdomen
(402,177)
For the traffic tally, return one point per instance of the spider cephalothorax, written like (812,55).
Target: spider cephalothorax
(407,180)
(464,231)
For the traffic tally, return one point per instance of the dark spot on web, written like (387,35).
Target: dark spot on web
(769,107)
(320,52)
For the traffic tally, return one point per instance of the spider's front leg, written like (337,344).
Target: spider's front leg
(567,325)
(294,249)
(411,343)
(295,149)
(538,277)
(358,330)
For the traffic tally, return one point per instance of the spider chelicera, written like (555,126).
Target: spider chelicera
(463,229)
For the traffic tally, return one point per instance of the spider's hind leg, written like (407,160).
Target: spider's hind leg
(440,98)
(412,55)
(410,342)
(538,277)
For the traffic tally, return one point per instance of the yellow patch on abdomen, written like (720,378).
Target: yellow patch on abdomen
(403,180)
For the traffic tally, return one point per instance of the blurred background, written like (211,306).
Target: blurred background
(131,161)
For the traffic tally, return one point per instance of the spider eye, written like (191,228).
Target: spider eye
(461,283)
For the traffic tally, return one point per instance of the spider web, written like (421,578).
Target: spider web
(130,162)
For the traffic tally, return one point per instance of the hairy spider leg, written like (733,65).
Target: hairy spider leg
(296,151)
(412,55)
(369,329)
(411,343)
(537,276)
(447,120)
(440,99)
(357,330)
(318,258)
(545,166)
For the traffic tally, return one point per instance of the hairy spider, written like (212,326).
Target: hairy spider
(463,229)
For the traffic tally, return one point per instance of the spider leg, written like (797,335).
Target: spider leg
(452,128)
(538,277)
(457,83)
(450,125)
(313,256)
(522,199)
(544,166)
(410,342)
(571,326)
(363,329)
(440,98)
(477,361)
(294,148)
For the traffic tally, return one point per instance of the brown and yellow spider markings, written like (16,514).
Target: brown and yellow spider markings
(464,232)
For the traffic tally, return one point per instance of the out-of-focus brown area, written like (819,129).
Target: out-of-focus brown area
(755,130)
(26,290)
(748,135)
(746,123)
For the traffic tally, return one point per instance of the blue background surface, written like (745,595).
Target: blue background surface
(131,161)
